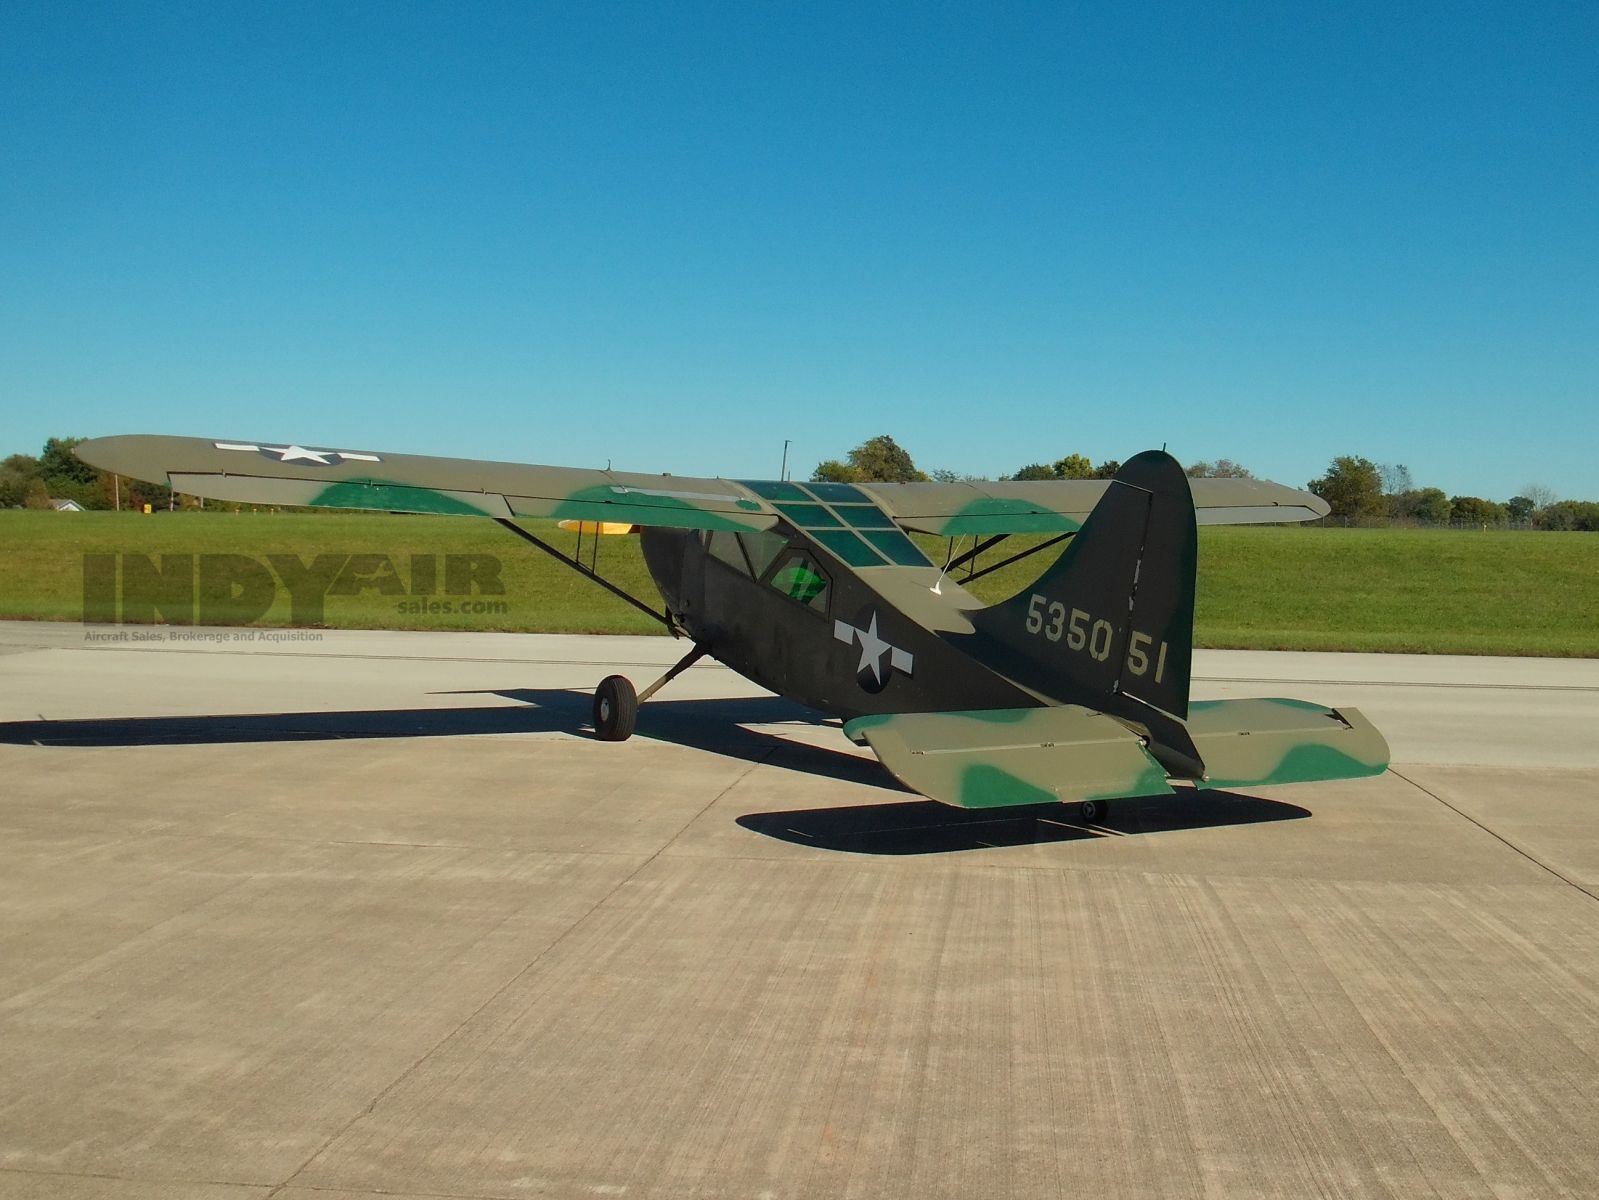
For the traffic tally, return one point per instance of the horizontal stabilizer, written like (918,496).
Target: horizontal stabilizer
(1000,757)
(1252,743)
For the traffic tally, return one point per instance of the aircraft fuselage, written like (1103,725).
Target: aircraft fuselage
(785,616)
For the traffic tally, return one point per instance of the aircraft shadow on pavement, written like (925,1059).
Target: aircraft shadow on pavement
(909,826)
(927,827)
(717,726)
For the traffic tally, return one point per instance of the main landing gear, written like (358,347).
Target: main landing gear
(616,703)
(615,709)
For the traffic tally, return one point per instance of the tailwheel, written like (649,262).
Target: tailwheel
(1093,812)
(615,709)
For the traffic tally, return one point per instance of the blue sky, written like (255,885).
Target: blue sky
(672,236)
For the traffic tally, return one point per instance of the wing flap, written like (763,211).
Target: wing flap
(1004,757)
(1255,743)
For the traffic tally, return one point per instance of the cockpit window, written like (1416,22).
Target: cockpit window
(762,548)
(800,578)
(724,545)
(748,553)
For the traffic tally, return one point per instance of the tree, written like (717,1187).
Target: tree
(36,496)
(1541,495)
(1474,510)
(833,471)
(1427,505)
(877,460)
(16,472)
(1352,487)
(1431,505)
(1074,466)
(882,460)
(1222,468)
(1036,471)
(1519,508)
(58,463)
(1569,515)
(1396,480)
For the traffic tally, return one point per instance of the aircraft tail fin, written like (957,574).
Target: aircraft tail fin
(1114,615)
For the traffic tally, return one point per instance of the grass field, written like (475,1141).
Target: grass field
(1424,591)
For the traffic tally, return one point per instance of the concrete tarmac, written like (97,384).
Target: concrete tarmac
(370,914)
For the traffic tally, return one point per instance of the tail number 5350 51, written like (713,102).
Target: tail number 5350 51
(1094,636)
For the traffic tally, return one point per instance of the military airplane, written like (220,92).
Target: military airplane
(1075,690)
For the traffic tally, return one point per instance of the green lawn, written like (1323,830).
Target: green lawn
(1421,591)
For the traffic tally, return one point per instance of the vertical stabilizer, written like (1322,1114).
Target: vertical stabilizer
(1114,616)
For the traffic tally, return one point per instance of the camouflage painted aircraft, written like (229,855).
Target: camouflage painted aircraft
(1074,690)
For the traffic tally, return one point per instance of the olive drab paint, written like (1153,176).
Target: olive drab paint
(1077,688)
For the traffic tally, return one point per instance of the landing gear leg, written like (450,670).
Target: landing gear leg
(684,663)
(616,703)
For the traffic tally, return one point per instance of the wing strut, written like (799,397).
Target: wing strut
(1017,557)
(588,572)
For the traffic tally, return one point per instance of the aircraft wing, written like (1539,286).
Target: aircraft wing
(995,759)
(255,472)
(1062,505)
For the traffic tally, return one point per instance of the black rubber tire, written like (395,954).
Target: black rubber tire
(615,709)
(1093,812)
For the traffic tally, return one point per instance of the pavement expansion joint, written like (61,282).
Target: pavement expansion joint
(1494,833)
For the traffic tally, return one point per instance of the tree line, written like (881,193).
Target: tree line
(1357,489)
(1361,491)
(55,473)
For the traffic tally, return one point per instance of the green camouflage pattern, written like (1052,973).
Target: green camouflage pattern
(1005,757)
(1258,743)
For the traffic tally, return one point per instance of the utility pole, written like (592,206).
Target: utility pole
(782,472)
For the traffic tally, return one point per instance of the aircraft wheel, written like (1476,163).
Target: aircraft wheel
(1093,812)
(615,709)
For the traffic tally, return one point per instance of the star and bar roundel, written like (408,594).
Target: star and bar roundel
(879,657)
(298,454)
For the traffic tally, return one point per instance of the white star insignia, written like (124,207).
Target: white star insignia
(873,648)
(296,453)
